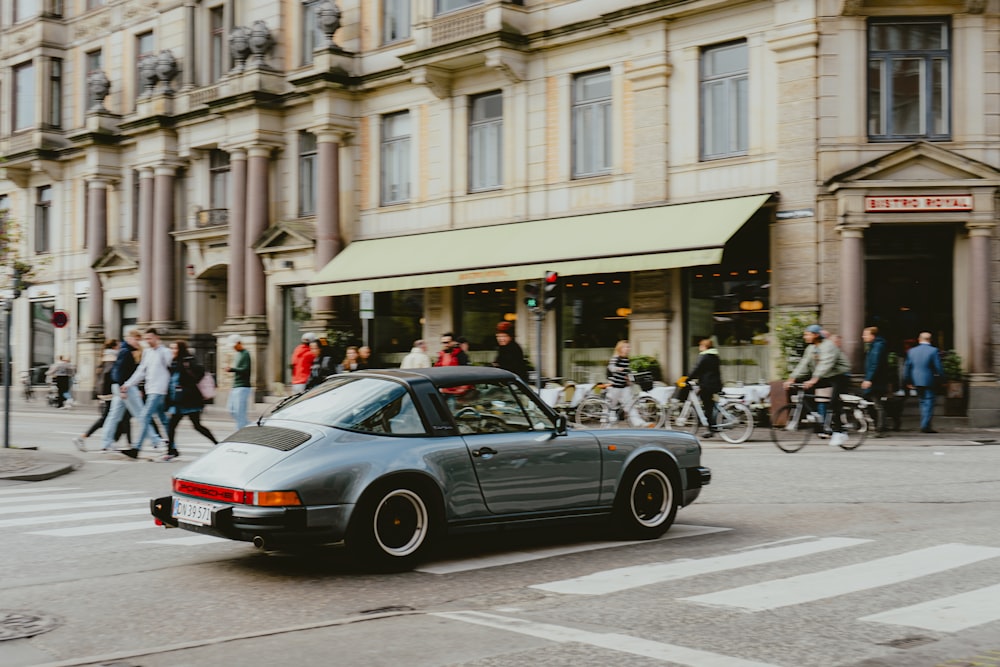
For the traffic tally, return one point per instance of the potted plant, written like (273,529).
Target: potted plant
(648,364)
(953,384)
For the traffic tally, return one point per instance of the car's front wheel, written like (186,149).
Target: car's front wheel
(647,501)
(391,528)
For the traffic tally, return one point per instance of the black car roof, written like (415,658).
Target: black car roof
(443,376)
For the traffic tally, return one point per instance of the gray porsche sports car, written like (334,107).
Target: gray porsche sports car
(388,461)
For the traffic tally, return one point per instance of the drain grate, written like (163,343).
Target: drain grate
(909,642)
(21,624)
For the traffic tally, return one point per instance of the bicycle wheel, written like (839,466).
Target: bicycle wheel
(734,422)
(647,412)
(593,412)
(787,431)
(856,425)
(685,418)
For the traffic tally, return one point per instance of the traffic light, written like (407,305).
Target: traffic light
(531,295)
(551,290)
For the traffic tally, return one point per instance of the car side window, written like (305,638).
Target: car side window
(537,417)
(494,408)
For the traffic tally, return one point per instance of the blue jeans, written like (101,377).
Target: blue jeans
(926,396)
(238,398)
(132,403)
(154,407)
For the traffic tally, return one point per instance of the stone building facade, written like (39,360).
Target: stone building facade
(688,167)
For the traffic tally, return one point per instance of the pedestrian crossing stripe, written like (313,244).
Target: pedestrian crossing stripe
(78,516)
(22,490)
(49,507)
(65,496)
(190,541)
(99,529)
(950,614)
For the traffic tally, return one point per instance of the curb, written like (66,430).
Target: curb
(26,465)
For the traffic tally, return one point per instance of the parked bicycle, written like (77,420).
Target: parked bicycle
(733,420)
(640,411)
(792,425)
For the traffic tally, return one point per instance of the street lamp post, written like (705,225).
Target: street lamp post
(8,307)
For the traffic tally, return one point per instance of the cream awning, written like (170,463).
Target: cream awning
(661,237)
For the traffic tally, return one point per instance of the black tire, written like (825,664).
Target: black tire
(789,437)
(737,423)
(392,528)
(593,412)
(647,501)
(856,425)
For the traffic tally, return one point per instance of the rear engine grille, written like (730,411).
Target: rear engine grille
(284,439)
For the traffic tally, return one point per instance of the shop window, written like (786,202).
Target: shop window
(593,317)
(397,323)
(478,310)
(592,124)
(909,86)
(724,100)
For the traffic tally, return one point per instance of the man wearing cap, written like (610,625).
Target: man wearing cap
(302,361)
(240,394)
(823,364)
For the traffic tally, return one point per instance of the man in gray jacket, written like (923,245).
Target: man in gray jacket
(823,364)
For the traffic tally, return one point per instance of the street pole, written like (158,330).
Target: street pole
(539,316)
(7,368)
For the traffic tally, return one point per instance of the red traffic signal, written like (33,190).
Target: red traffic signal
(551,290)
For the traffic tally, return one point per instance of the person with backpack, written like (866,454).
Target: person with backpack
(105,393)
(184,398)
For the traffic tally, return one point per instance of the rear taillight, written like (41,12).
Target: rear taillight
(225,494)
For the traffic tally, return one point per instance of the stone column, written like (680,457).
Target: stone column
(146,199)
(979,299)
(190,39)
(258,209)
(97,241)
(163,245)
(328,242)
(235,286)
(852,293)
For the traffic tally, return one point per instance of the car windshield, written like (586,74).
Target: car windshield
(372,405)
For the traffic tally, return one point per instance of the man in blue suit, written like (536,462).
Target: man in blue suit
(923,371)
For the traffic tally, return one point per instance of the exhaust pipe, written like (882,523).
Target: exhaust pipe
(258,542)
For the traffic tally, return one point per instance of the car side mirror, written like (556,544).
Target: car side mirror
(561,424)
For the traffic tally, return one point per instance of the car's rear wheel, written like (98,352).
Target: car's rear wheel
(647,501)
(391,529)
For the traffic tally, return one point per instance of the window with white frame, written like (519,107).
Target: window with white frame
(724,101)
(43,218)
(592,124)
(909,71)
(442,6)
(54,97)
(143,47)
(486,142)
(395,20)
(311,36)
(307,173)
(216,43)
(218,165)
(396,158)
(26,9)
(24,96)
(93,62)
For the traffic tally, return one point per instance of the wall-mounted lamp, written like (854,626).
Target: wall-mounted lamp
(754,304)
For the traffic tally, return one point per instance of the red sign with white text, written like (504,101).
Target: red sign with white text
(916,203)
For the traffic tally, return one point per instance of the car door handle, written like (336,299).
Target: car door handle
(484,451)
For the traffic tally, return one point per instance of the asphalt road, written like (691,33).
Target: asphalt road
(887,556)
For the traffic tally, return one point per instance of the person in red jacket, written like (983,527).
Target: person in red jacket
(302,360)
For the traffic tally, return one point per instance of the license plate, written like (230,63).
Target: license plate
(190,511)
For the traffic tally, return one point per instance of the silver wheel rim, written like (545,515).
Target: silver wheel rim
(654,487)
(400,508)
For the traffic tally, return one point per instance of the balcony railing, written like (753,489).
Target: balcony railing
(213,217)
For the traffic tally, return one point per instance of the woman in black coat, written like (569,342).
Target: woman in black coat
(184,398)
(708,373)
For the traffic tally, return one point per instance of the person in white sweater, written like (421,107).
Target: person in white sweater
(418,357)
(154,370)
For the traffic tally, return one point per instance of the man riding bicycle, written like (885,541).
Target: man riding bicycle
(823,364)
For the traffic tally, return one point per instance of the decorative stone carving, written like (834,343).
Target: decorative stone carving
(147,73)
(261,43)
(328,20)
(239,47)
(166,70)
(98,88)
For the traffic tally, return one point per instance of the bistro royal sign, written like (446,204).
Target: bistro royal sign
(917,203)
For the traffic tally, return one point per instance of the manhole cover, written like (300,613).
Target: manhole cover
(20,624)
(909,642)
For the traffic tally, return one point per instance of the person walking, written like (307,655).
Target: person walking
(105,393)
(350,362)
(418,357)
(823,364)
(302,358)
(62,373)
(451,353)
(184,398)
(875,385)
(510,356)
(923,371)
(364,358)
(618,373)
(323,365)
(154,370)
(122,407)
(708,372)
(240,367)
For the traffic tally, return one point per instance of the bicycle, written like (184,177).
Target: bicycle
(642,411)
(733,420)
(793,424)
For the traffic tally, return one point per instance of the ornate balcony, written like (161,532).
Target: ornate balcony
(213,217)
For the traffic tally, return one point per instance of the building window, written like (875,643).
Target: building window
(43,218)
(442,6)
(95,62)
(217,44)
(396,158)
(307,173)
(130,233)
(218,164)
(724,100)
(24,96)
(311,36)
(143,47)
(55,94)
(25,9)
(94,4)
(395,20)
(43,336)
(486,142)
(128,316)
(592,124)
(909,67)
